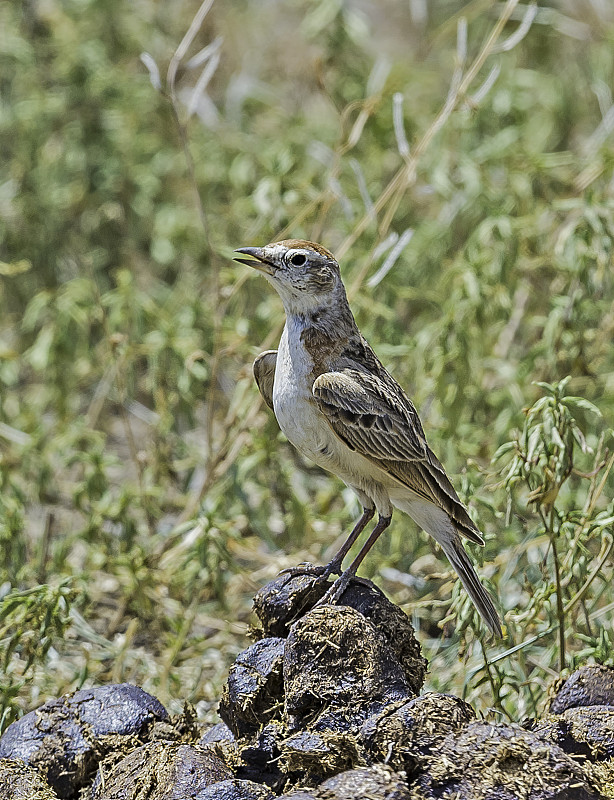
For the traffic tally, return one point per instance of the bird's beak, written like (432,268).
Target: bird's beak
(261,263)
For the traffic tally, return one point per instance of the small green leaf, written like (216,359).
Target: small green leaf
(15,267)
(548,387)
(583,403)
(507,447)
(556,438)
(534,441)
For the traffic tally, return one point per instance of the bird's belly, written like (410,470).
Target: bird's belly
(303,425)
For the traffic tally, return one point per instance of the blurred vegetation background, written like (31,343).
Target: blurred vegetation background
(458,158)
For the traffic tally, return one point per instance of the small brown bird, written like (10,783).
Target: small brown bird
(338,405)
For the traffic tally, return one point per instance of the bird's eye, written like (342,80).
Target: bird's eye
(298,260)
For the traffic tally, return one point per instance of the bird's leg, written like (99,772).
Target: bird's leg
(340,585)
(334,565)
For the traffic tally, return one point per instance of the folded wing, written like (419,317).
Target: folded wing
(264,373)
(375,418)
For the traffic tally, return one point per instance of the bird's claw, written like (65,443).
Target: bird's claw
(314,570)
(336,590)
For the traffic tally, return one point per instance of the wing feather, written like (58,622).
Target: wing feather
(375,418)
(264,373)
(363,412)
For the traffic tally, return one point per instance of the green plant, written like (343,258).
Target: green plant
(31,622)
(564,553)
(459,166)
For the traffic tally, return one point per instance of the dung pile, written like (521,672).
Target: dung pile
(325,705)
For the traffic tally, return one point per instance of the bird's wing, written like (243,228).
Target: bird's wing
(370,416)
(264,373)
(374,417)
(428,478)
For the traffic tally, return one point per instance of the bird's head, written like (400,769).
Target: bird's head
(305,274)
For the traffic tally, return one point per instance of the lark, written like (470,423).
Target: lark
(336,403)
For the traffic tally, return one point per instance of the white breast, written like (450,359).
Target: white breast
(293,402)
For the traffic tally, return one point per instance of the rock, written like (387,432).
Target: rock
(66,738)
(591,685)
(500,762)
(255,687)
(161,771)
(338,670)
(18,781)
(404,733)
(585,731)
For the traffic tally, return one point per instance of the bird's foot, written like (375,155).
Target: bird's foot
(336,590)
(313,570)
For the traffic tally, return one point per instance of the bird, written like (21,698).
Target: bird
(338,405)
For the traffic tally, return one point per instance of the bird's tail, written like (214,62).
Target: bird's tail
(454,550)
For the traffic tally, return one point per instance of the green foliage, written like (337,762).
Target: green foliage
(11,536)
(135,459)
(565,558)
(31,622)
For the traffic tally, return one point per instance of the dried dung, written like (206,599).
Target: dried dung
(364,783)
(254,688)
(405,733)
(591,685)
(259,759)
(285,599)
(66,738)
(288,598)
(375,783)
(310,757)
(18,781)
(500,762)
(160,771)
(338,670)
(234,790)
(584,731)
(218,733)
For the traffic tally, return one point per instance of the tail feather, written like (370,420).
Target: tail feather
(436,521)
(454,550)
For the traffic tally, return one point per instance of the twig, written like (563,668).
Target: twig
(399,126)
(44,547)
(606,548)
(520,32)
(184,45)
(13,435)
(594,495)
(403,240)
(215,293)
(134,453)
(559,602)
(405,176)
